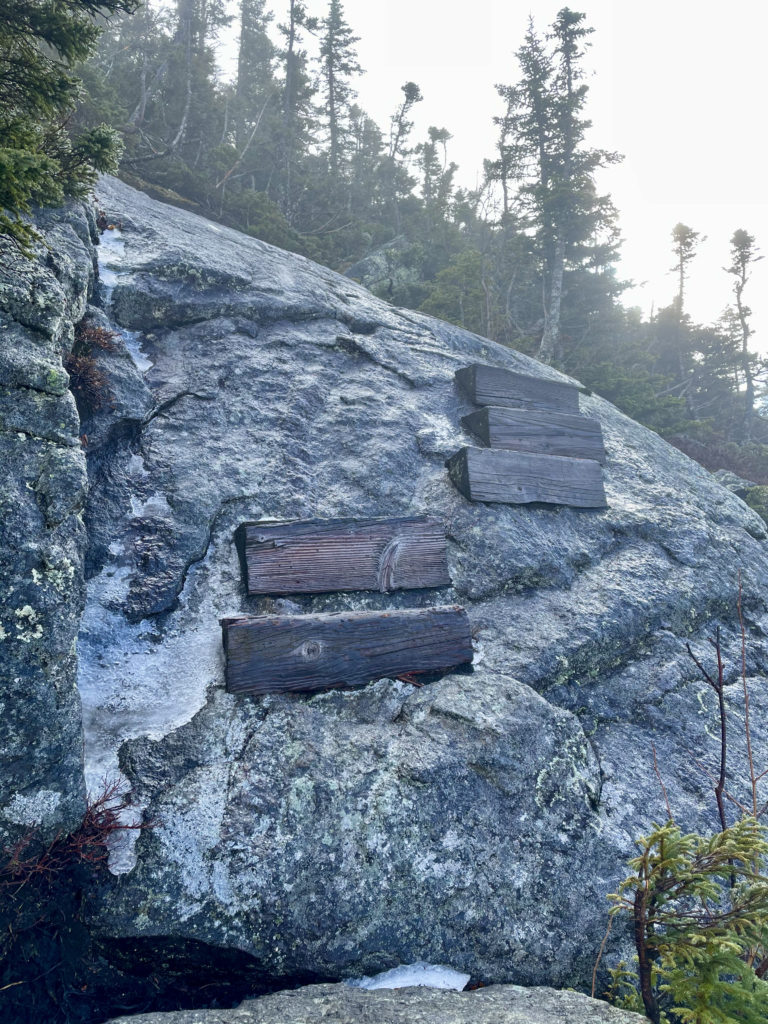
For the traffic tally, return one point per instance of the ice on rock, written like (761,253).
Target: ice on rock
(111,253)
(415,975)
(155,504)
(136,352)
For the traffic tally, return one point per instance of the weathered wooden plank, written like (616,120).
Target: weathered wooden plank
(491,474)
(321,556)
(276,654)
(538,431)
(490,385)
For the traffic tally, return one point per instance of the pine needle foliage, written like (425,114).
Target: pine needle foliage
(41,44)
(699,906)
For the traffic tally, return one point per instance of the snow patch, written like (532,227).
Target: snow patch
(420,974)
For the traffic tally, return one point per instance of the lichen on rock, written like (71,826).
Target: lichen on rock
(42,539)
(478,821)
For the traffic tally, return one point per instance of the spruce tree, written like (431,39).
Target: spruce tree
(544,132)
(744,254)
(41,44)
(255,103)
(685,241)
(338,64)
(397,182)
(255,84)
(298,110)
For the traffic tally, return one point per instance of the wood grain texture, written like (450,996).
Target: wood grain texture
(490,474)
(538,431)
(490,385)
(285,653)
(323,556)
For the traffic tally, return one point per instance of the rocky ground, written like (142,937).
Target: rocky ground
(340,1004)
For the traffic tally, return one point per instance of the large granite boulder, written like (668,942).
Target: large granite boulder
(42,539)
(478,821)
(340,1004)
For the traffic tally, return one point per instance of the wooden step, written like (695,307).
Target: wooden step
(538,431)
(490,474)
(490,385)
(285,653)
(325,555)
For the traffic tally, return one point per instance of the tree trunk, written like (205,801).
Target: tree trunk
(644,964)
(333,123)
(549,349)
(749,394)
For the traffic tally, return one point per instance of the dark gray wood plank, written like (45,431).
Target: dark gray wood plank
(490,385)
(538,431)
(283,653)
(490,474)
(322,556)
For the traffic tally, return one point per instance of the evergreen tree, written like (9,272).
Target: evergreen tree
(396,180)
(399,126)
(685,241)
(505,167)
(674,339)
(255,86)
(298,111)
(338,65)
(41,44)
(254,129)
(544,129)
(744,254)
(437,173)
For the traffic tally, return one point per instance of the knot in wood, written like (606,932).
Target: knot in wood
(311,650)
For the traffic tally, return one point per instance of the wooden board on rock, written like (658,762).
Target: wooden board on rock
(285,653)
(489,474)
(490,385)
(538,431)
(323,556)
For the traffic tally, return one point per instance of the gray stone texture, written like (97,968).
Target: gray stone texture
(478,821)
(341,1004)
(42,539)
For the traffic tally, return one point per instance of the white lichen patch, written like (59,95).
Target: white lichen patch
(193,831)
(28,628)
(36,809)
(59,575)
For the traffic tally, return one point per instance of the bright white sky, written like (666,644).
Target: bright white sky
(678,87)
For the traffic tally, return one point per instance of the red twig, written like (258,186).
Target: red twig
(88,844)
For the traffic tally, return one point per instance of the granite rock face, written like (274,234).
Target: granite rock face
(42,539)
(478,821)
(341,1004)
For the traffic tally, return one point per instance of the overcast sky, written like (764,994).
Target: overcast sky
(680,91)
